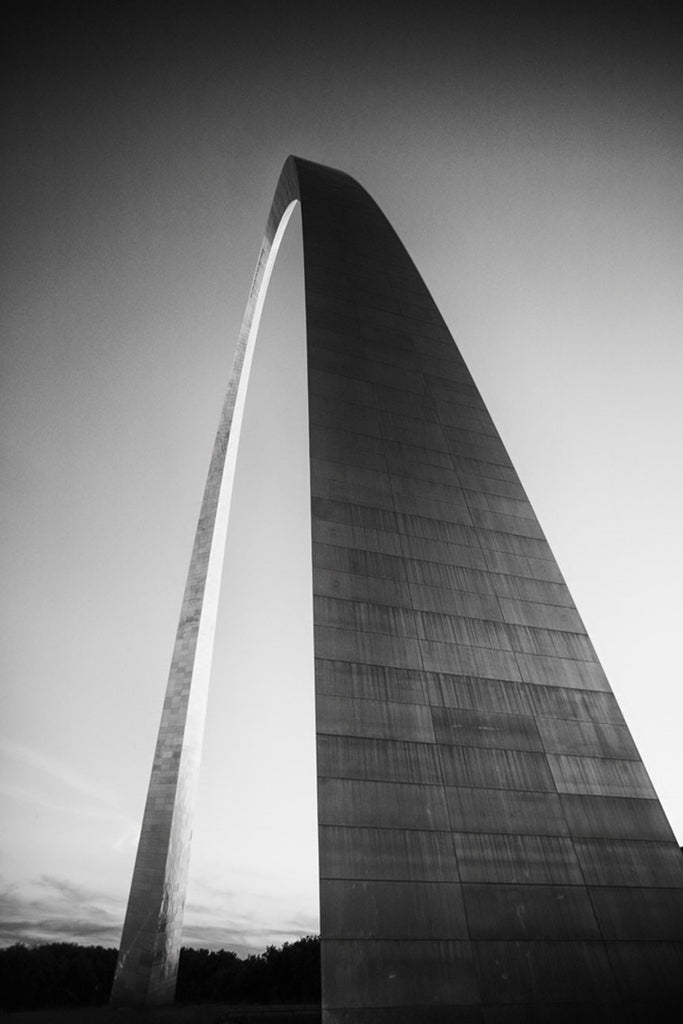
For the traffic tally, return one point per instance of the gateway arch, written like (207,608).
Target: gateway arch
(491,847)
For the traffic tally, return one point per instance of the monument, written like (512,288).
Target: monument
(491,847)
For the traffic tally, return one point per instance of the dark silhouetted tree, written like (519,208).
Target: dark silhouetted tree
(65,974)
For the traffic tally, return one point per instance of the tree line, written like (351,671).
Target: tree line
(60,974)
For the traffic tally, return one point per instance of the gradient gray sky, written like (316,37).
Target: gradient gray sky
(530,157)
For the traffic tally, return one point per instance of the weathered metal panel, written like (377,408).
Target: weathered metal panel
(475,728)
(586,739)
(517,859)
(616,818)
(382,719)
(513,697)
(385,853)
(545,972)
(374,973)
(371,682)
(518,770)
(600,776)
(625,862)
(350,757)
(632,913)
(505,811)
(530,912)
(374,909)
(381,804)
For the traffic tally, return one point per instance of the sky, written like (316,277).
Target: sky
(530,158)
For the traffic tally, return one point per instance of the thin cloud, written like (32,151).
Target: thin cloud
(55,768)
(244,943)
(225,923)
(307,925)
(51,909)
(73,891)
(82,931)
(28,796)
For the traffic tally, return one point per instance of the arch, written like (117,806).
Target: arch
(150,944)
(488,835)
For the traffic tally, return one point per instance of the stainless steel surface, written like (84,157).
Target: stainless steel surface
(491,849)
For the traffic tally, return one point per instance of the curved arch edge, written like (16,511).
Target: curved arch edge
(147,965)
